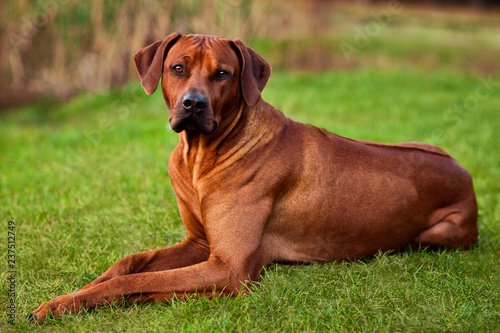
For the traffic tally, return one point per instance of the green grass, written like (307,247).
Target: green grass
(87,183)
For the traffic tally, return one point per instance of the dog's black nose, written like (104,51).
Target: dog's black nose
(194,102)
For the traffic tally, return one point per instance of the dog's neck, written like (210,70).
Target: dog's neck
(225,146)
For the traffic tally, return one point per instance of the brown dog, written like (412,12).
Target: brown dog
(254,187)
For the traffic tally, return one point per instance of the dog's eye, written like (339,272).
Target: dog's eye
(222,74)
(178,69)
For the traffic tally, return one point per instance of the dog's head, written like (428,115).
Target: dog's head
(203,78)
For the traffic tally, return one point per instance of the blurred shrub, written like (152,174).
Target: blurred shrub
(65,46)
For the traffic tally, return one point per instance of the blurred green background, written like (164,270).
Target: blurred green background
(58,48)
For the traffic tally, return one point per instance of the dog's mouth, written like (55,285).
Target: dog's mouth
(193,123)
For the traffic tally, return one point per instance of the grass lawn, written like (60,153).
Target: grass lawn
(86,183)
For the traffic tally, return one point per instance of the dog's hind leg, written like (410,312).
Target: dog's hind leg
(458,229)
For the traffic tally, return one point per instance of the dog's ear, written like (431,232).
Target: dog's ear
(149,62)
(255,72)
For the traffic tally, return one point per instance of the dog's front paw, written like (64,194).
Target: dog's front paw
(54,309)
(33,318)
(44,311)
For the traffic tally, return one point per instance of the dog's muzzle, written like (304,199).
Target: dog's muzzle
(193,114)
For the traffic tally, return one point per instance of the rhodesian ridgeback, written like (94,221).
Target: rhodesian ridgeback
(255,187)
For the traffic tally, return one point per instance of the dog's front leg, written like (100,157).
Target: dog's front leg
(206,277)
(186,253)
